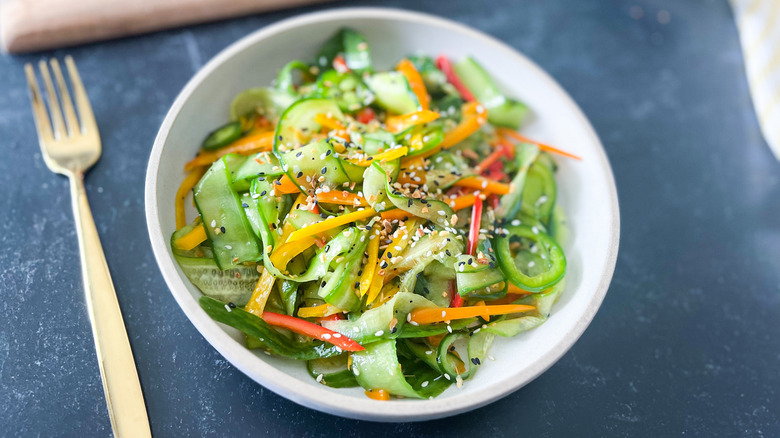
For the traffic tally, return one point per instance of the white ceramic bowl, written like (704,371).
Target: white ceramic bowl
(586,191)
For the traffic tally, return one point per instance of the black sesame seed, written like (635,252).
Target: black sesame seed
(299,174)
(357,285)
(245,205)
(222,229)
(324,170)
(231,305)
(323,283)
(263,193)
(475,361)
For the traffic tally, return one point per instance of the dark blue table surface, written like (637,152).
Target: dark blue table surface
(686,342)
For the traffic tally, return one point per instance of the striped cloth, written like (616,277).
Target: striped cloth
(758,22)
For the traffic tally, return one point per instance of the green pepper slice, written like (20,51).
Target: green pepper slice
(223,136)
(538,263)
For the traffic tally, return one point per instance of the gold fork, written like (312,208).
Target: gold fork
(71,151)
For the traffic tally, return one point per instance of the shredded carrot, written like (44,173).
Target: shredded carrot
(370,266)
(341,197)
(258,142)
(415,82)
(186,186)
(398,123)
(378,394)
(490,159)
(329,122)
(439,314)
(462,202)
(484,184)
(195,237)
(387,155)
(327,224)
(545,147)
(318,311)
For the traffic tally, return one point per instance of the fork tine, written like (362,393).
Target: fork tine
(54,103)
(39,107)
(82,100)
(67,104)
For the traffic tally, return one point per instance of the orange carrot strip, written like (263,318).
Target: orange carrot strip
(396,213)
(484,184)
(341,197)
(262,141)
(545,147)
(286,186)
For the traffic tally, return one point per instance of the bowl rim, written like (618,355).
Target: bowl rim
(323,399)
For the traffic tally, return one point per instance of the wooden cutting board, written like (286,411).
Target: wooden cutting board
(31,25)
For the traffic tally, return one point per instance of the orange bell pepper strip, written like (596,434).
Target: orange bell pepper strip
(258,142)
(285,186)
(467,126)
(377,394)
(329,122)
(440,314)
(406,68)
(189,182)
(399,123)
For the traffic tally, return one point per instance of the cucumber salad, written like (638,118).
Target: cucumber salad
(384,226)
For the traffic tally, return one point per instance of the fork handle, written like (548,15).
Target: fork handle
(122,388)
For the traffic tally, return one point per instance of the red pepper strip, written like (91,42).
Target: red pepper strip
(494,201)
(307,328)
(495,171)
(456,300)
(446,67)
(334,317)
(366,115)
(476,219)
(340,65)
(490,159)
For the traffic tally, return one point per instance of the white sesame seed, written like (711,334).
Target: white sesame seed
(379,333)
